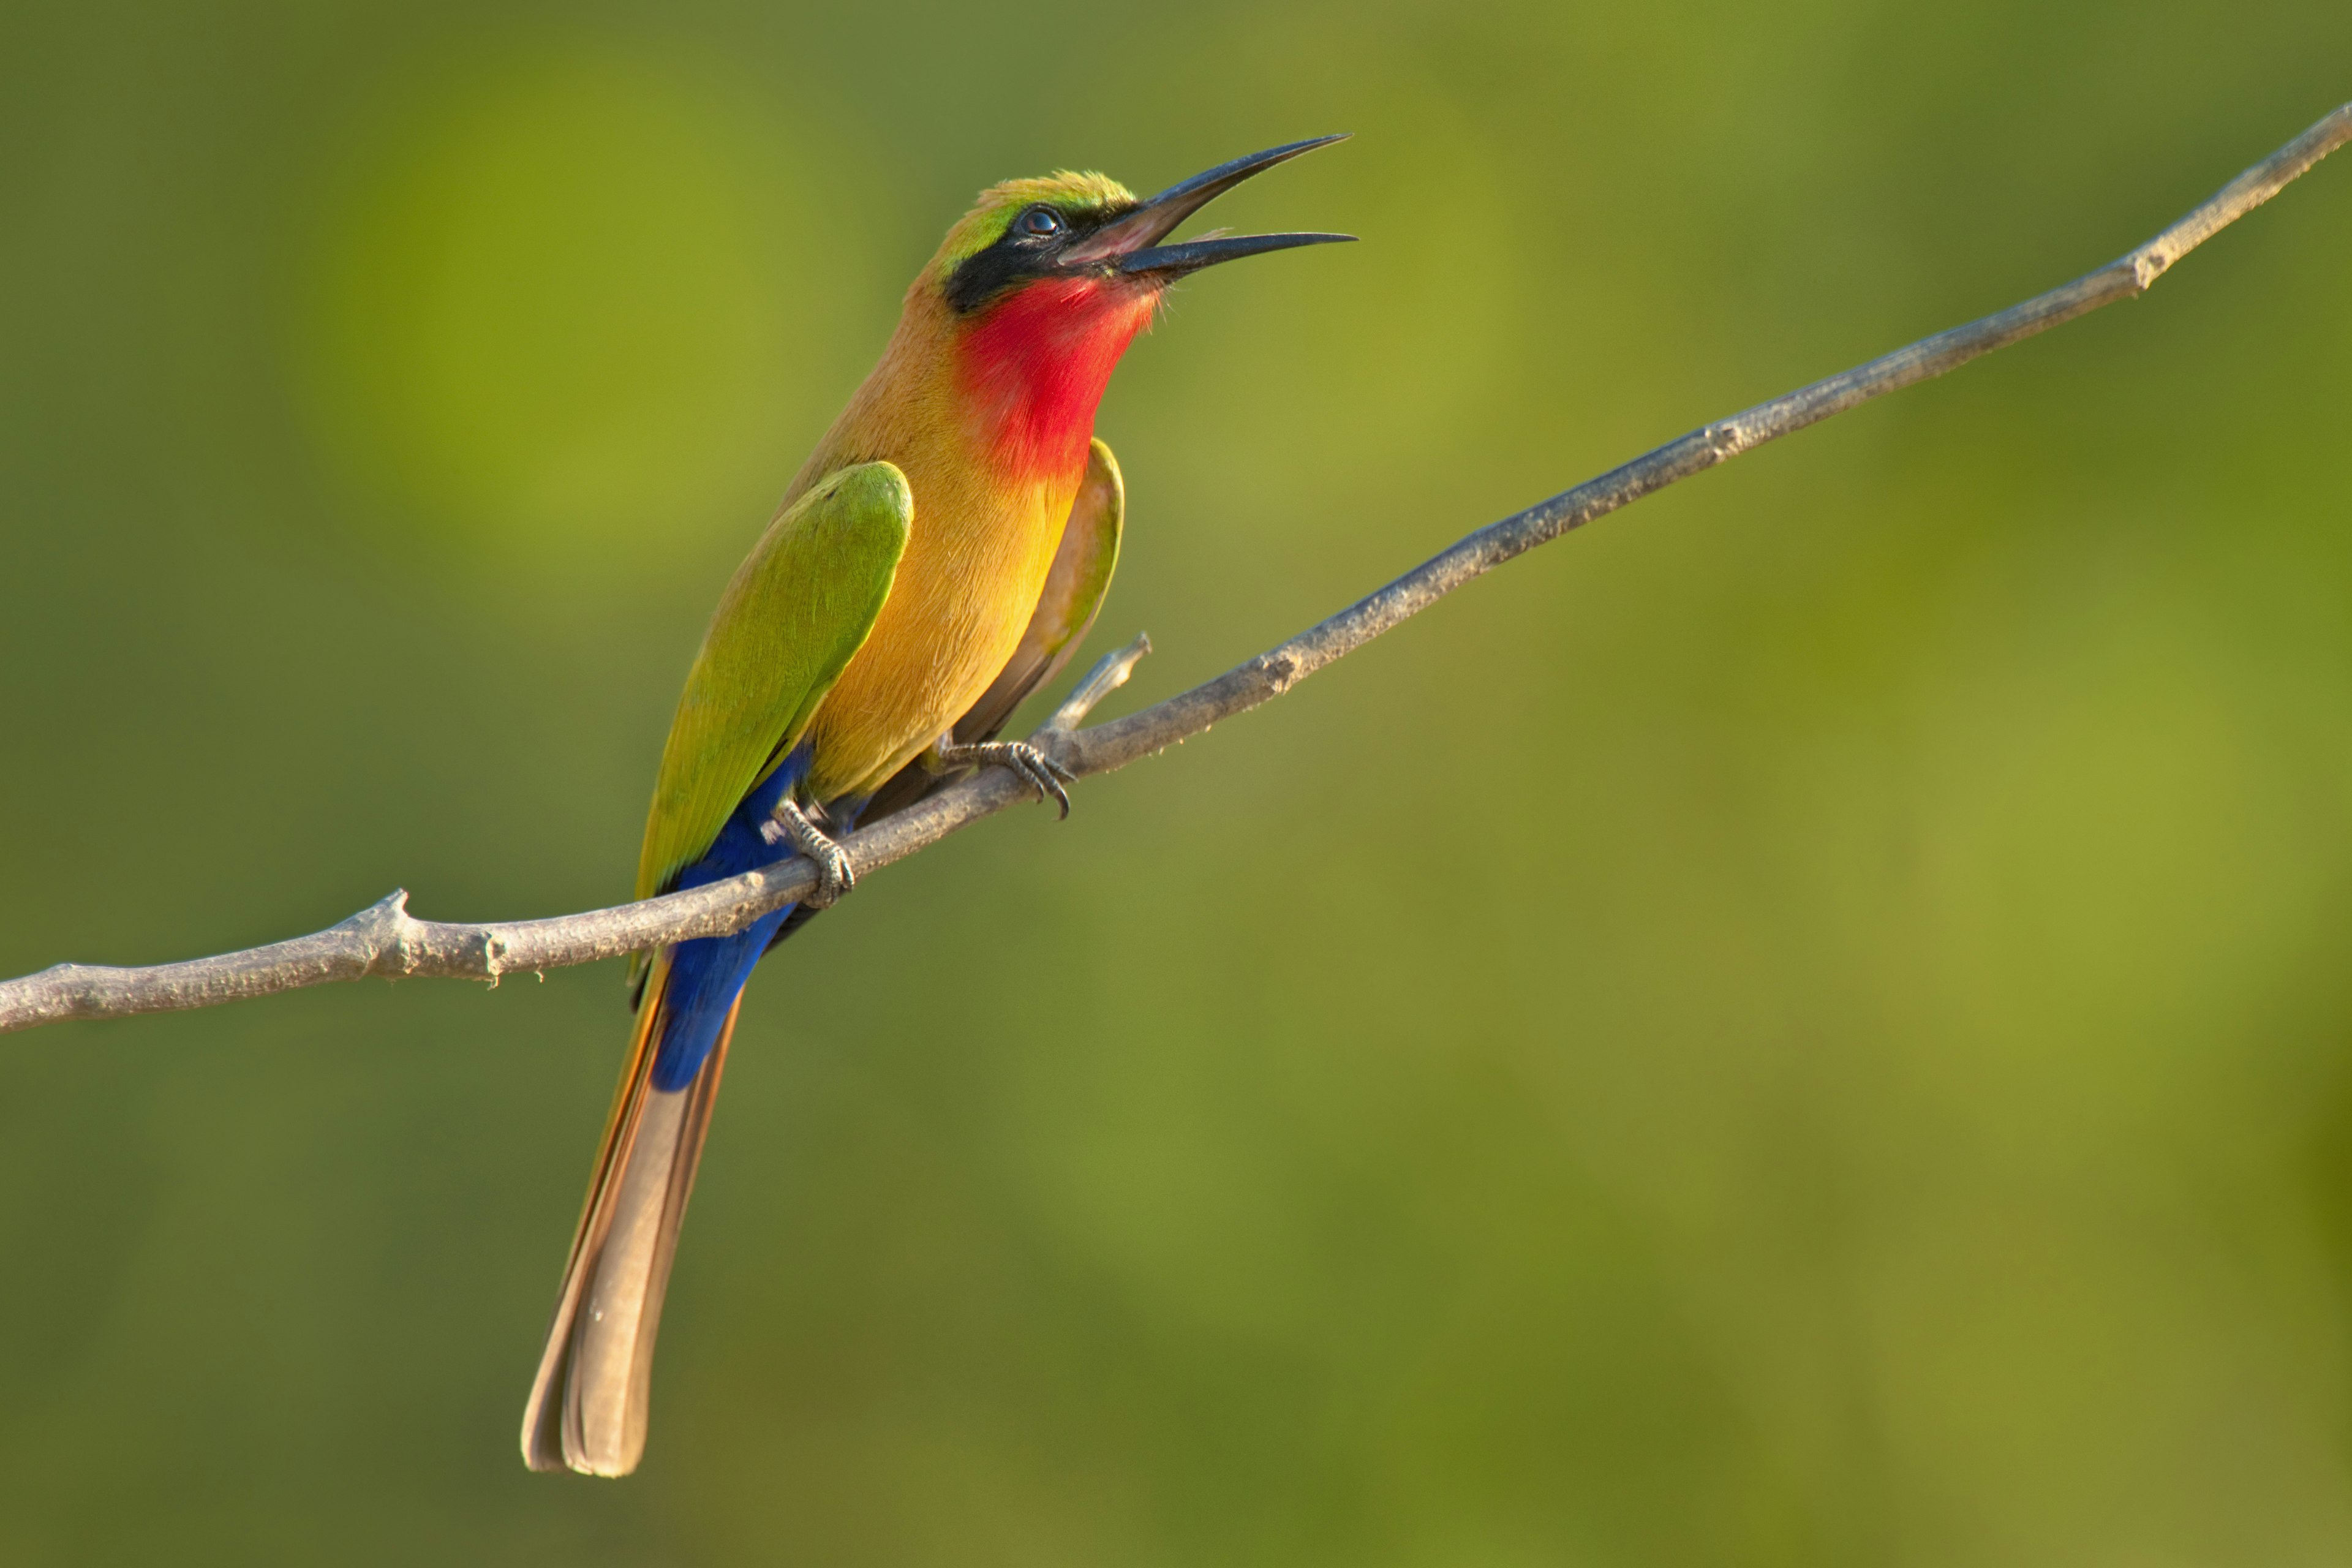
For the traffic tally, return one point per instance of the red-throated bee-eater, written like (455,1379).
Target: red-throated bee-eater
(939,556)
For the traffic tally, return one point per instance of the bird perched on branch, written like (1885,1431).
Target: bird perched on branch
(939,556)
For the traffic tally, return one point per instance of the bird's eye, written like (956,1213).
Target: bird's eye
(1038,222)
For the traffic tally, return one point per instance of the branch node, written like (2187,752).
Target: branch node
(1281,671)
(383,929)
(1110,672)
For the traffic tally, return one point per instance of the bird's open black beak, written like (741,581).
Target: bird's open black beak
(1129,244)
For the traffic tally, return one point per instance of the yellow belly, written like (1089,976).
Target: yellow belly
(976,561)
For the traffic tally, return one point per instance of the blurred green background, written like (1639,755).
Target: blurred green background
(1863,1076)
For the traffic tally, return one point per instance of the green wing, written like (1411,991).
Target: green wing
(1066,612)
(796,610)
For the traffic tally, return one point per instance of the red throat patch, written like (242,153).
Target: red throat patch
(1035,366)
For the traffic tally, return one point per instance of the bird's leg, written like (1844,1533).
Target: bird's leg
(834,874)
(1026,762)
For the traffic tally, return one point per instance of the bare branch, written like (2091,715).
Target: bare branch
(385,940)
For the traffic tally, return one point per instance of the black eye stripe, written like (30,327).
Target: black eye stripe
(1017,257)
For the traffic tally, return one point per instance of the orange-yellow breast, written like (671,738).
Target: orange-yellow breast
(963,596)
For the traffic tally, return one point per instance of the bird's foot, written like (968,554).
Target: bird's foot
(834,874)
(1026,762)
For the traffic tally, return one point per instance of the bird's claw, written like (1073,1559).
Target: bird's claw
(834,873)
(1024,761)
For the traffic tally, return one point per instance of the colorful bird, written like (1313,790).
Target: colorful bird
(939,556)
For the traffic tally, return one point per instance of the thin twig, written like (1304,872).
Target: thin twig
(386,940)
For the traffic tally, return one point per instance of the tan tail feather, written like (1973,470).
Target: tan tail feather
(588,1404)
(541,1442)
